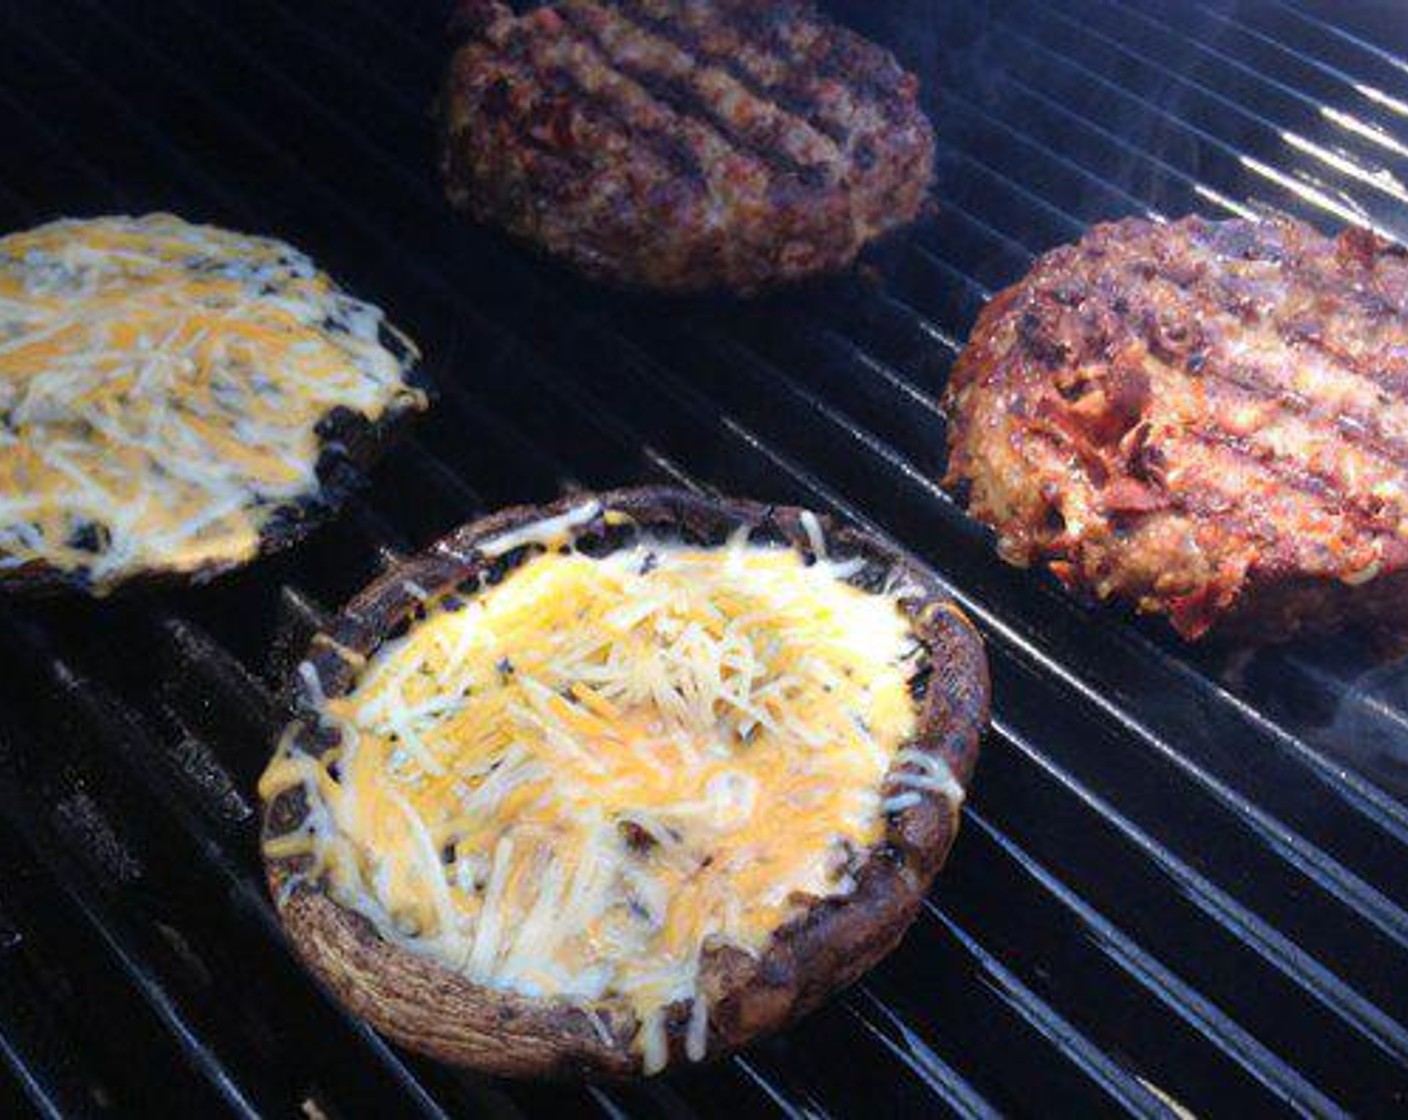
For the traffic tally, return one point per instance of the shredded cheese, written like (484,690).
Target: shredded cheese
(580,780)
(538,532)
(161,384)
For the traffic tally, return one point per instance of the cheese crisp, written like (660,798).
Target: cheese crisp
(578,781)
(161,390)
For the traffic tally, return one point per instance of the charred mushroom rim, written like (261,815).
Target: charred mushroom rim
(811,922)
(177,400)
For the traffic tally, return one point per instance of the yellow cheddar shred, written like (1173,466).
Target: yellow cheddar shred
(575,783)
(160,388)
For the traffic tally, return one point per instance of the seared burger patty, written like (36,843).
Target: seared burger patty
(1209,419)
(683,144)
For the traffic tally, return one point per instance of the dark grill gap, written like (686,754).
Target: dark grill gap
(1179,878)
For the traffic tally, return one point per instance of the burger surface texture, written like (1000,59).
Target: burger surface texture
(623,781)
(1206,419)
(175,399)
(683,145)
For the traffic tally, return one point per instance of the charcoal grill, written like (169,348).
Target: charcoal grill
(1180,883)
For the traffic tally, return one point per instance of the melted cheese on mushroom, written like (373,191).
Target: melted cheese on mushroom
(160,388)
(578,780)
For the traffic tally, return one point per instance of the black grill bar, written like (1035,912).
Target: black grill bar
(1268,102)
(1326,31)
(1215,934)
(920,1059)
(1231,125)
(128,945)
(52,1079)
(1188,1004)
(58,955)
(128,756)
(1118,104)
(1241,938)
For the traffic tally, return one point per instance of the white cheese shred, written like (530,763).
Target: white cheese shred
(934,774)
(696,1039)
(547,531)
(812,527)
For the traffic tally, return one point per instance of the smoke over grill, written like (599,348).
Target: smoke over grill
(1179,879)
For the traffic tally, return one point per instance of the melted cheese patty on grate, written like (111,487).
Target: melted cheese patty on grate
(577,781)
(161,388)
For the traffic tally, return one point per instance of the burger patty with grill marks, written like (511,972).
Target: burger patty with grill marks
(683,145)
(1207,418)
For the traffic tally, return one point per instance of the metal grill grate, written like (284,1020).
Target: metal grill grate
(1180,876)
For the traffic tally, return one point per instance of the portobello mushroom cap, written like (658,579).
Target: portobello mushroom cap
(426,1006)
(95,305)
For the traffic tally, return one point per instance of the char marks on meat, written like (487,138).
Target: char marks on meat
(1208,419)
(683,145)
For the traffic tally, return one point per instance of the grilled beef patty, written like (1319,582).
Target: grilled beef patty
(683,144)
(1207,418)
